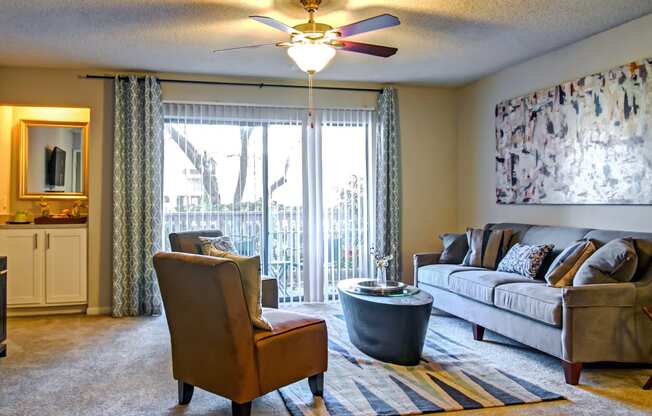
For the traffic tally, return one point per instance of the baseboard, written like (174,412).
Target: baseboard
(46,310)
(101,310)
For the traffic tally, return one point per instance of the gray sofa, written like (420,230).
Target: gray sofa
(580,324)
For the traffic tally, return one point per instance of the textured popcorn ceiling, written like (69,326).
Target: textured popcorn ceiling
(445,42)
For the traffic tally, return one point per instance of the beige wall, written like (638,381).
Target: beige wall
(6,123)
(475,124)
(61,88)
(428,146)
(428,143)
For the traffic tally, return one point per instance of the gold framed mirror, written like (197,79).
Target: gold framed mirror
(53,160)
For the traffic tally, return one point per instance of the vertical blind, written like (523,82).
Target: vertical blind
(297,196)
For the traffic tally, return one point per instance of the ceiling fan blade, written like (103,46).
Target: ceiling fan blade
(244,47)
(367,48)
(373,23)
(275,24)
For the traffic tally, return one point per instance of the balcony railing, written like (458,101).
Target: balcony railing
(345,243)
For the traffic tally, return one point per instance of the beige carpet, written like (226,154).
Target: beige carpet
(78,365)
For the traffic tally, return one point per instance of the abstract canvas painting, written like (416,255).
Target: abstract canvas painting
(582,142)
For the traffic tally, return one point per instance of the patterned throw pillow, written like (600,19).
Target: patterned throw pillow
(222,243)
(486,246)
(525,260)
(565,266)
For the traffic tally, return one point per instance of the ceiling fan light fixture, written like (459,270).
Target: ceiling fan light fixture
(311,57)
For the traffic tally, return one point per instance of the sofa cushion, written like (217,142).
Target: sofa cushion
(479,284)
(563,269)
(534,300)
(455,248)
(486,246)
(525,260)
(614,262)
(560,237)
(437,274)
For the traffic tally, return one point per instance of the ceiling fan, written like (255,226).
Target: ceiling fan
(312,44)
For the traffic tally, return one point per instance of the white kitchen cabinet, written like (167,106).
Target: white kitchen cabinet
(47,266)
(65,265)
(24,251)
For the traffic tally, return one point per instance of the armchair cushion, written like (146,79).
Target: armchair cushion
(251,283)
(222,243)
(295,349)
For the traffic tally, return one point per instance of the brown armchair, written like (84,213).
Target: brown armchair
(214,345)
(188,242)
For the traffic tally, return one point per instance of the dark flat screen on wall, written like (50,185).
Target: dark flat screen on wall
(57,167)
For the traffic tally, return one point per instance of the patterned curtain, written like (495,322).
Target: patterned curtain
(388,181)
(137,195)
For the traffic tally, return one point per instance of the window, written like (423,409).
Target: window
(240,169)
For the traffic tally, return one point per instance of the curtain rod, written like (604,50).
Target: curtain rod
(242,84)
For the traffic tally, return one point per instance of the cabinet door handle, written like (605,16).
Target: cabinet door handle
(35,241)
(47,242)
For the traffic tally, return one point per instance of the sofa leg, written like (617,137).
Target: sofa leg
(241,409)
(572,372)
(478,332)
(316,384)
(185,392)
(648,385)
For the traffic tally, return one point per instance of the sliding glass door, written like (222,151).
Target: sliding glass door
(346,146)
(241,170)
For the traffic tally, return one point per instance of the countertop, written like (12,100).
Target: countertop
(40,226)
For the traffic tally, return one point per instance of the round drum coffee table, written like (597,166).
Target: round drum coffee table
(390,328)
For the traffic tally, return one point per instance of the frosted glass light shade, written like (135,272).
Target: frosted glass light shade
(311,57)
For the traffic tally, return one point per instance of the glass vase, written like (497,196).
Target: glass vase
(381,275)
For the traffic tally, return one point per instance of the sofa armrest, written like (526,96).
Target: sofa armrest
(602,322)
(423,259)
(269,292)
(607,294)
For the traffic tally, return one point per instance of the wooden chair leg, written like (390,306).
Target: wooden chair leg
(185,392)
(241,409)
(478,332)
(572,372)
(648,385)
(316,384)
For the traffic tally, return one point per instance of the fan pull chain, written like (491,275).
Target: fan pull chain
(311,104)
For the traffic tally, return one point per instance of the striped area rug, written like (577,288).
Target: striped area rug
(450,377)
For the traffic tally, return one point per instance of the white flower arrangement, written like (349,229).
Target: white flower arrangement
(382,262)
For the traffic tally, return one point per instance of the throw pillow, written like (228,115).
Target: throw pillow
(525,260)
(222,243)
(251,283)
(455,248)
(614,262)
(565,266)
(486,246)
